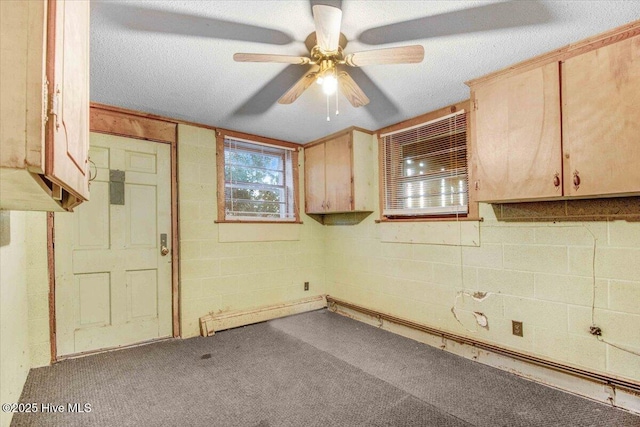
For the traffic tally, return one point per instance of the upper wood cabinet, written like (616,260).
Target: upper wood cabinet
(562,125)
(339,173)
(517,148)
(601,120)
(45,104)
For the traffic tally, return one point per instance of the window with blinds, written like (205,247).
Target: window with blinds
(425,169)
(258,181)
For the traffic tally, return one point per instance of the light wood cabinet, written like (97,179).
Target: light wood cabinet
(44,112)
(339,173)
(565,127)
(517,145)
(601,120)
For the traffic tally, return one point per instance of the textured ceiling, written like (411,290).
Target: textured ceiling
(175,58)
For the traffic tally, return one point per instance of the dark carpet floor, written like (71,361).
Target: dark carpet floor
(313,369)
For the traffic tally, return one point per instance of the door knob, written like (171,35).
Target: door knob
(164,250)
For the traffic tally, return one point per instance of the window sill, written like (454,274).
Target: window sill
(228,221)
(424,219)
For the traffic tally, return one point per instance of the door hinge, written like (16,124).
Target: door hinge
(45,102)
(54,105)
(475,105)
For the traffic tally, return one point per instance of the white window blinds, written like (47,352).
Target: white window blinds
(258,181)
(425,168)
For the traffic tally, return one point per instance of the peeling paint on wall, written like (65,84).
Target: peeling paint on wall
(481,318)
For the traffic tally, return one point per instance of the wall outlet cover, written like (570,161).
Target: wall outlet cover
(516,328)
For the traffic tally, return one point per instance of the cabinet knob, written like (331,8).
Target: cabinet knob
(576,179)
(556,180)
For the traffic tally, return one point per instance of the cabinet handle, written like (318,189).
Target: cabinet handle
(556,180)
(328,205)
(576,179)
(322,205)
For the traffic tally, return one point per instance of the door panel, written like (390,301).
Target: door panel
(113,286)
(601,129)
(68,73)
(338,170)
(517,147)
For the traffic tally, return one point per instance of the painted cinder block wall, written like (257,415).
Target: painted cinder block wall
(234,267)
(540,273)
(14,333)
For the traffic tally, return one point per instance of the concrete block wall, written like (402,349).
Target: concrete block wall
(14,328)
(232,267)
(544,274)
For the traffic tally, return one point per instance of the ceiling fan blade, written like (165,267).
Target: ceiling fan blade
(260,57)
(327,20)
(351,90)
(161,21)
(382,109)
(395,55)
(487,17)
(332,3)
(300,86)
(262,100)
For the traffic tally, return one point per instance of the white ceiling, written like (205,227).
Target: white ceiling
(175,58)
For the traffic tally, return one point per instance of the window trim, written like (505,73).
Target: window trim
(221,134)
(473,211)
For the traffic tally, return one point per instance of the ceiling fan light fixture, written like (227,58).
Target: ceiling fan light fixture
(329,84)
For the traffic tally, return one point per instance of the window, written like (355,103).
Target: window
(259,179)
(425,169)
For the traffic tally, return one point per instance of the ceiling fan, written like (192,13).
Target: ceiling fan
(326,53)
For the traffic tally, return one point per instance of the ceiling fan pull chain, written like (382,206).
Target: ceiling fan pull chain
(328,118)
(337,110)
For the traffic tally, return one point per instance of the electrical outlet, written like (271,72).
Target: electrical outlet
(306,286)
(516,328)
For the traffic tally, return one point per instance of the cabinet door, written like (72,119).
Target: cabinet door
(517,147)
(314,179)
(601,120)
(338,169)
(68,73)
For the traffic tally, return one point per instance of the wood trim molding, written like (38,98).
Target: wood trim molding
(136,113)
(295,159)
(473,209)
(220,136)
(600,40)
(337,134)
(131,126)
(210,323)
(220,175)
(175,241)
(256,138)
(432,115)
(52,287)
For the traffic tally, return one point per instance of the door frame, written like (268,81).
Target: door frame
(137,125)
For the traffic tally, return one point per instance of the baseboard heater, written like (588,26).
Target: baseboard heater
(593,376)
(212,322)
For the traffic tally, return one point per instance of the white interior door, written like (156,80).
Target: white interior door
(113,283)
